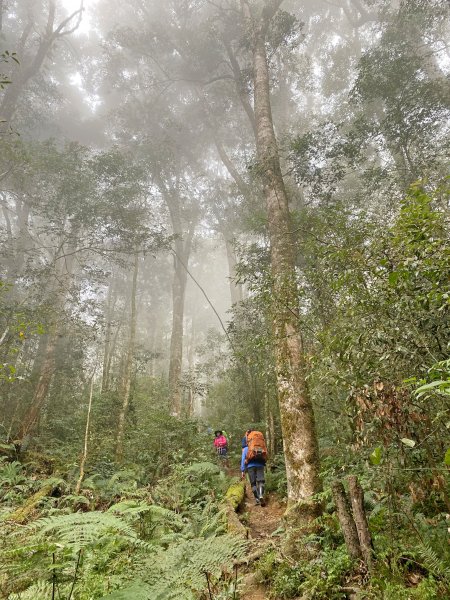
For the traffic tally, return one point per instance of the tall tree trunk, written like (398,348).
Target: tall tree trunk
(191,367)
(57,290)
(109,340)
(235,288)
(41,389)
(86,437)
(128,367)
(297,417)
(176,338)
(183,228)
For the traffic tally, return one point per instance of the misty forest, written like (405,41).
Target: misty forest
(224,299)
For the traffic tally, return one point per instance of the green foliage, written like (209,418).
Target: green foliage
(11,473)
(5,57)
(318,578)
(131,541)
(78,531)
(190,485)
(179,571)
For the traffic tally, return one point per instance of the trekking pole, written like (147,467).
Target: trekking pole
(235,581)
(209,587)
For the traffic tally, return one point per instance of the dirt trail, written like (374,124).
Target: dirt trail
(262,522)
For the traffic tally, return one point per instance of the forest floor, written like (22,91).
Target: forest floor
(261,521)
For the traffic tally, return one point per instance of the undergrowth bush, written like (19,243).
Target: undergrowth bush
(138,543)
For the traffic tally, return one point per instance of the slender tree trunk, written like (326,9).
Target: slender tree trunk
(346,520)
(57,291)
(153,346)
(41,389)
(365,540)
(297,418)
(270,424)
(108,338)
(191,367)
(176,339)
(128,367)
(31,67)
(235,288)
(86,437)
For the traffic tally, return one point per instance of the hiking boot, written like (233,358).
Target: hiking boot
(262,501)
(257,501)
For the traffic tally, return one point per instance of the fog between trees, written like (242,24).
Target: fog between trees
(228,214)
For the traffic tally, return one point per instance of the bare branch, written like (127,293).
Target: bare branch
(59,30)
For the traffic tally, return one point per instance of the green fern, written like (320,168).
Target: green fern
(81,530)
(178,573)
(39,591)
(132,509)
(433,563)
(138,590)
(202,470)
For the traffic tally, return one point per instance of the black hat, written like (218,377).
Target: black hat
(218,432)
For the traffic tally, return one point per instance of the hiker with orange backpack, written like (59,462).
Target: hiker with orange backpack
(253,461)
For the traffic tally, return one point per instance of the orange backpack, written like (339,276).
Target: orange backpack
(257,448)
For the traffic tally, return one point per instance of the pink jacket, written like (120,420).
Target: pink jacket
(220,442)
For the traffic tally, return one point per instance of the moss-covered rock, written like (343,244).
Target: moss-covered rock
(234,497)
(235,494)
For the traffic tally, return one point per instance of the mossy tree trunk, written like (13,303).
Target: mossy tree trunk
(297,418)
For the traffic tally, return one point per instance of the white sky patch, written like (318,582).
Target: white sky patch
(73,5)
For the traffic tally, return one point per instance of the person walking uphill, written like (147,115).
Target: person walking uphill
(253,461)
(221,445)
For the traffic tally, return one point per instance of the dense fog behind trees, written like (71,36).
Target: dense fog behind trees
(225,214)
(132,205)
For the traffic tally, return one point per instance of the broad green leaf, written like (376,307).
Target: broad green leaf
(376,456)
(433,384)
(447,458)
(393,277)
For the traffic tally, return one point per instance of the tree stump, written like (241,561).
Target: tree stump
(346,521)
(359,515)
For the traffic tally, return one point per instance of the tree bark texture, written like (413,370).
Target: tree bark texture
(109,338)
(297,418)
(235,288)
(57,290)
(176,338)
(183,245)
(41,390)
(346,520)
(128,367)
(365,539)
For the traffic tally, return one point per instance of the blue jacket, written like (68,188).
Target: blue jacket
(256,462)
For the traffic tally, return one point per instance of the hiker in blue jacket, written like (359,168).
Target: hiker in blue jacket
(255,469)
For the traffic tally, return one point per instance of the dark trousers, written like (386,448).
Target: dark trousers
(256,477)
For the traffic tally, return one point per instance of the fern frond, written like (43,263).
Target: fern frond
(202,469)
(178,573)
(138,590)
(432,562)
(129,509)
(80,530)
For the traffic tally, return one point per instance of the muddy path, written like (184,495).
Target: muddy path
(262,522)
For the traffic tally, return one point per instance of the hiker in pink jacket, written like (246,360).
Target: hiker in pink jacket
(221,445)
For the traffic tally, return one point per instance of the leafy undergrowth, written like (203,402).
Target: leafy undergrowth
(411,550)
(115,539)
(120,539)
